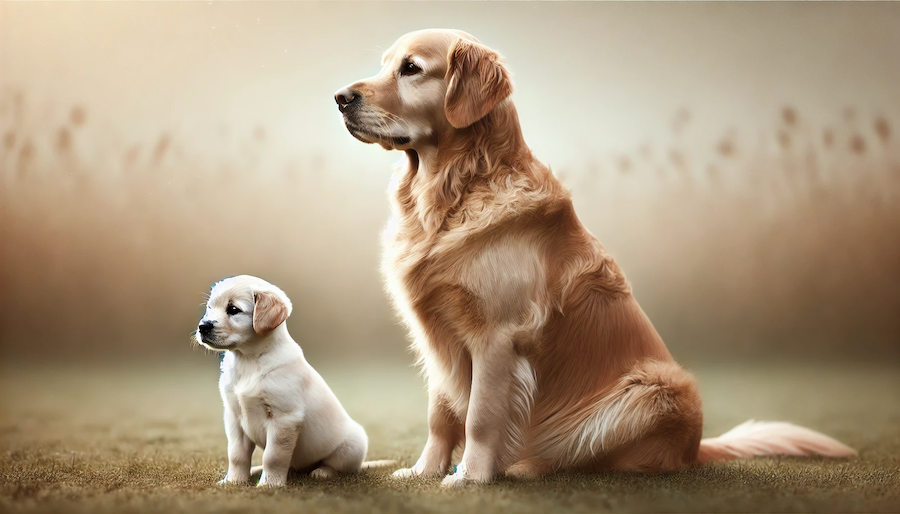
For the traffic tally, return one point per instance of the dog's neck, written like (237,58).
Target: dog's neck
(276,345)
(435,179)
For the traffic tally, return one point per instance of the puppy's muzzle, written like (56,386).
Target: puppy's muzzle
(205,328)
(347,99)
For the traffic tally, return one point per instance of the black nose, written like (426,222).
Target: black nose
(346,98)
(205,327)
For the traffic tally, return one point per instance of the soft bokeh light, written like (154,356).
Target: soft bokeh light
(742,162)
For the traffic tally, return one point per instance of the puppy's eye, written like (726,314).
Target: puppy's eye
(409,68)
(232,310)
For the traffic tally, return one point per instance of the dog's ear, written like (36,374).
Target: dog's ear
(268,312)
(477,81)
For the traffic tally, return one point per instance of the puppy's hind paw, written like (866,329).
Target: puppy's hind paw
(256,470)
(323,473)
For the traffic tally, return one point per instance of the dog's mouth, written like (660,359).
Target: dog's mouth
(370,136)
(212,342)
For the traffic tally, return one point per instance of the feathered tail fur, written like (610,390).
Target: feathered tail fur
(755,438)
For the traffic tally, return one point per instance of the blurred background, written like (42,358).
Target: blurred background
(741,161)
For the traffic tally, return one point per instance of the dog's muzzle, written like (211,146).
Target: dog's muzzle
(350,103)
(347,99)
(205,328)
(206,334)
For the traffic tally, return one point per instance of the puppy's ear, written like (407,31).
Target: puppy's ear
(268,312)
(477,81)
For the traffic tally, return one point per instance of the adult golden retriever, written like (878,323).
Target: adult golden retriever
(537,356)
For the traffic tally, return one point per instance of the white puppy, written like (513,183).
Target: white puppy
(273,398)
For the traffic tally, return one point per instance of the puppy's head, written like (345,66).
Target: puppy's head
(431,82)
(240,310)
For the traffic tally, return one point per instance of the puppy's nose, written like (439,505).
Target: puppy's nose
(346,98)
(205,327)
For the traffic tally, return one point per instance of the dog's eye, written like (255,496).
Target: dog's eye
(409,68)
(232,310)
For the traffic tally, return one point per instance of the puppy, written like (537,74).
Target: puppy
(538,358)
(273,398)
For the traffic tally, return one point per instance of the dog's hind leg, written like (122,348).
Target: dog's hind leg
(348,457)
(650,421)
(530,469)
(324,472)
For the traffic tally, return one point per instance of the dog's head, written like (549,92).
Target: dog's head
(240,310)
(432,82)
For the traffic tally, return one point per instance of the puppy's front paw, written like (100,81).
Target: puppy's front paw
(269,484)
(268,481)
(230,480)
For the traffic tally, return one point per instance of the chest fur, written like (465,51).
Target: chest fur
(406,262)
(250,402)
(454,271)
(454,287)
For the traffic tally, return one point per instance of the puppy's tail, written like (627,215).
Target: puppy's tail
(372,464)
(756,438)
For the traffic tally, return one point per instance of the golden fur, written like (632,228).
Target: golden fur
(537,356)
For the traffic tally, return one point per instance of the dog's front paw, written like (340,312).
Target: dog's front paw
(415,472)
(461,477)
(269,484)
(457,480)
(230,480)
(267,481)
(419,471)
(404,473)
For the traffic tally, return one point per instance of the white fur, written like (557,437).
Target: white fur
(273,398)
(615,421)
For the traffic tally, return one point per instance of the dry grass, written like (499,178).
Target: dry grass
(149,439)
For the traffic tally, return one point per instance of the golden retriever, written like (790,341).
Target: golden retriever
(536,354)
(273,398)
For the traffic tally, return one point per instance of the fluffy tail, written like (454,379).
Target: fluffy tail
(371,464)
(753,438)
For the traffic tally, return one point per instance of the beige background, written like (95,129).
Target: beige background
(742,161)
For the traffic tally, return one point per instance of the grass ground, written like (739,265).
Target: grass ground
(148,438)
